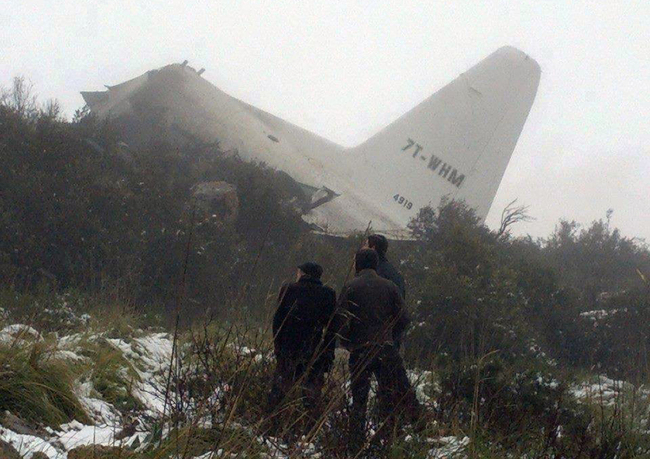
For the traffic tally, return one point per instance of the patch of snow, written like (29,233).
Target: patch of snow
(69,341)
(150,395)
(451,447)
(245,351)
(63,354)
(424,383)
(18,332)
(211,455)
(606,391)
(150,356)
(596,314)
(155,350)
(76,434)
(600,314)
(98,410)
(28,445)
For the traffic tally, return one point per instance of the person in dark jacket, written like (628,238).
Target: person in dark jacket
(385,268)
(304,338)
(370,318)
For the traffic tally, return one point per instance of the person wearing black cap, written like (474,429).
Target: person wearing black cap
(304,338)
(385,268)
(370,319)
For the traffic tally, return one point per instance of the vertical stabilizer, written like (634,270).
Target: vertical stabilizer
(456,143)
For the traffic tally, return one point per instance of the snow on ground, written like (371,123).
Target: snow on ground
(27,445)
(450,447)
(99,411)
(600,314)
(69,342)
(608,392)
(66,438)
(602,389)
(75,434)
(595,314)
(17,333)
(150,356)
(244,351)
(64,354)
(425,385)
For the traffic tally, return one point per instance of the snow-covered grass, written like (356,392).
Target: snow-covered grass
(35,385)
(112,383)
(104,372)
(80,386)
(616,402)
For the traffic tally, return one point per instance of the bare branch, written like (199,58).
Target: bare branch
(511,215)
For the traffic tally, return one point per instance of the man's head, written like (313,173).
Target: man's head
(379,243)
(310,269)
(366,259)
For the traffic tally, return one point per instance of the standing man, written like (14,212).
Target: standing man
(385,268)
(370,319)
(303,339)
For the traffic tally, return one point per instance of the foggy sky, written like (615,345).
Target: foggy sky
(345,69)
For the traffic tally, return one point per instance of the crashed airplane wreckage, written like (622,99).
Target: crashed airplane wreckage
(456,143)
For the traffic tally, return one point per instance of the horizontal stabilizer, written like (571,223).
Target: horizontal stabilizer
(93,98)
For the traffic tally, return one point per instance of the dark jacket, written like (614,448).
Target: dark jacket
(386,270)
(302,324)
(371,311)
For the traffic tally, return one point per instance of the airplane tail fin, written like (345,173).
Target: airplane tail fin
(456,143)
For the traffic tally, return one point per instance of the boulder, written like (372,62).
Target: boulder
(216,200)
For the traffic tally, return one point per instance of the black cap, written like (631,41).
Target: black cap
(311,269)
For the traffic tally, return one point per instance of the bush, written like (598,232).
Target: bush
(79,209)
(470,298)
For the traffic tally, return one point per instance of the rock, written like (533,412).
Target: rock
(217,200)
(14,423)
(7,451)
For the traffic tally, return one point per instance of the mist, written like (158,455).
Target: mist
(345,70)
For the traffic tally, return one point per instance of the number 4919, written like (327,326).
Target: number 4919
(402,201)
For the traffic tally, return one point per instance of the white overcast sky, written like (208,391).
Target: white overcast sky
(345,69)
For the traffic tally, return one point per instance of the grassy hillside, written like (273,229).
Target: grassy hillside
(126,309)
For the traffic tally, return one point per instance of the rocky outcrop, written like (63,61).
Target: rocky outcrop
(216,200)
